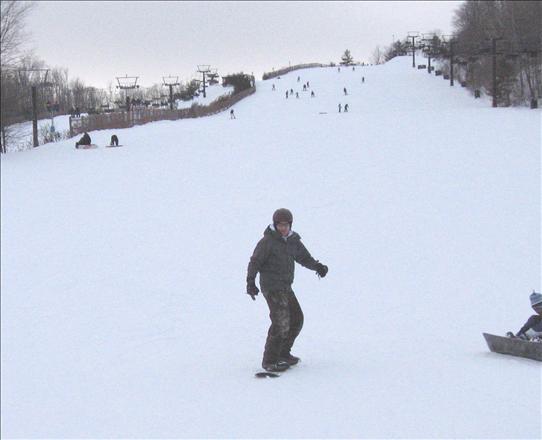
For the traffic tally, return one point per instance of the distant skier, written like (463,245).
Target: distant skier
(114,141)
(274,258)
(340,107)
(345,92)
(312,94)
(85,140)
(232,114)
(346,108)
(533,326)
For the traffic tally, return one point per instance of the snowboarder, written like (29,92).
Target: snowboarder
(297,94)
(304,87)
(286,94)
(340,107)
(308,85)
(353,69)
(344,90)
(114,141)
(338,69)
(232,114)
(533,326)
(274,258)
(362,79)
(273,87)
(346,108)
(312,94)
(298,78)
(291,91)
(85,140)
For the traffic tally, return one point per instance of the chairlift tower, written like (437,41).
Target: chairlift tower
(413,35)
(127,83)
(170,81)
(38,78)
(203,69)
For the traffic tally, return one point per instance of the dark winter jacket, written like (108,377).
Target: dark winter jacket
(534,323)
(85,140)
(274,259)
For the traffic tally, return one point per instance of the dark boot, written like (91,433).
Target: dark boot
(289,359)
(275,367)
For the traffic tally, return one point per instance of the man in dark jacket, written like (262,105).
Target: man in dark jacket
(274,258)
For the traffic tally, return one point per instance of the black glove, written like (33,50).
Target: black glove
(252,290)
(321,270)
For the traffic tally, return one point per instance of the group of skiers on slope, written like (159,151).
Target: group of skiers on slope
(85,140)
(532,329)
(307,86)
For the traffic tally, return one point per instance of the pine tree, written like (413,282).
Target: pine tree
(346,59)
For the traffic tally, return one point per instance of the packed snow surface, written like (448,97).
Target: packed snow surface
(123,269)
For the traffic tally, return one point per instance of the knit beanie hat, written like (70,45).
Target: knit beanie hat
(536,298)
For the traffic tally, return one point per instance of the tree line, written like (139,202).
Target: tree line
(510,30)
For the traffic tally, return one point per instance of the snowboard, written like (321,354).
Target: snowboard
(86,147)
(113,146)
(265,374)
(514,346)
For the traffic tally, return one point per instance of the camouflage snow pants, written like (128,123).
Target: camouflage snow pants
(286,323)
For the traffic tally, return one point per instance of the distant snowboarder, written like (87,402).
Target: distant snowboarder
(85,140)
(273,88)
(362,79)
(274,258)
(304,87)
(297,94)
(338,69)
(345,92)
(232,114)
(286,94)
(312,94)
(346,108)
(340,107)
(114,141)
(308,85)
(298,78)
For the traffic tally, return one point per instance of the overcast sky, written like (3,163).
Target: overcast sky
(99,40)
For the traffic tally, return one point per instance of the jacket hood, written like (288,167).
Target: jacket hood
(270,230)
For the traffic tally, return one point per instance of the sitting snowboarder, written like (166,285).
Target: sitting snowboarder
(85,140)
(533,327)
(114,141)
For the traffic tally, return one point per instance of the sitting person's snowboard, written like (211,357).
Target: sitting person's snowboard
(86,147)
(514,346)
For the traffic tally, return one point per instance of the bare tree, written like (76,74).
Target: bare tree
(12,35)
(378,56)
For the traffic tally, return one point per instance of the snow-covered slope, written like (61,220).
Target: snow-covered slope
(123,270)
